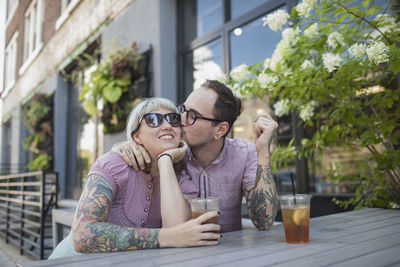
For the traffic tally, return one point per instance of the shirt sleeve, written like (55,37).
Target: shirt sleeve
(113,168)
(188,187)
(250,169)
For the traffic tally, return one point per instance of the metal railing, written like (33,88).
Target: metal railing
(26,200)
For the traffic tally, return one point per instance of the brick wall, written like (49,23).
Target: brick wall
(17,24)
(52,13)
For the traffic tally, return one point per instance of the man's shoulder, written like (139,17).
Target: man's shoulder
(239,143)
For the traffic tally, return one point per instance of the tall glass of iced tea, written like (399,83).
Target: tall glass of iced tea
(296,217)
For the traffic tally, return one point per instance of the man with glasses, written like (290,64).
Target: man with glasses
(227,168)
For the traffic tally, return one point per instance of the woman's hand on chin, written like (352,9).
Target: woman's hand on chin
(178,153)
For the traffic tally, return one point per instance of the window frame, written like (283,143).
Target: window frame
(33,33)
(64,14)
(10,64)
(10,13)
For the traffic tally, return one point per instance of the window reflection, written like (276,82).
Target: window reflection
(252,43)
(205,62)
(239,7)
(201,17)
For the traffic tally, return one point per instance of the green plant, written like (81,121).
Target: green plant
(38,117)
(41,162)
(110,82)
(338,68)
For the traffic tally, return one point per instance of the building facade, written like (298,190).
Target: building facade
(190,41)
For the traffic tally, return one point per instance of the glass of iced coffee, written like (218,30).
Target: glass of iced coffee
(296,217)
(200,206)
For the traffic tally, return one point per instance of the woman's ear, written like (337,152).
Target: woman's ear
(136,137)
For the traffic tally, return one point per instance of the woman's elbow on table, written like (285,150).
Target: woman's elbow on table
(79,235)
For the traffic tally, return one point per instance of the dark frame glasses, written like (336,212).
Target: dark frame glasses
(154,120)
(191,115)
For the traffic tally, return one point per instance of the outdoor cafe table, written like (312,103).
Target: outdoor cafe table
(368,237)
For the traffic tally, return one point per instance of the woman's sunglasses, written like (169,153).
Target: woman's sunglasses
(154,120)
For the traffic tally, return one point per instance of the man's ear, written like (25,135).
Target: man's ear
(136,138)
(222,129)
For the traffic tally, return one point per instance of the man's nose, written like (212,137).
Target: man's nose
(183,119)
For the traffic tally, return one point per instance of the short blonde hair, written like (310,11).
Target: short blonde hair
(146,106)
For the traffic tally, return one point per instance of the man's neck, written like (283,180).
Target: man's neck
(208,153)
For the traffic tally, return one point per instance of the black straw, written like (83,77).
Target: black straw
(294,192)
(205,192)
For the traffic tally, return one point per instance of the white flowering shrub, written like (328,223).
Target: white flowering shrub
(326,69)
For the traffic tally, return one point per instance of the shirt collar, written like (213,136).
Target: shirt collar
(220,157)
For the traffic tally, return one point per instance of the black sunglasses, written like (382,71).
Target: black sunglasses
(154,120)
(191,115)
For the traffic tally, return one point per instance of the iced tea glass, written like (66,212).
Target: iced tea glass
(296,217)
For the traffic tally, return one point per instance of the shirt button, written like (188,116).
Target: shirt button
(146,210)
(147,198)
(149,186)
(142,222)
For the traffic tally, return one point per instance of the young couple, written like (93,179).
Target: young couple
(134,198)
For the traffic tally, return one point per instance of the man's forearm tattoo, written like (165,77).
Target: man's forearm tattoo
(262,198)
(92,232)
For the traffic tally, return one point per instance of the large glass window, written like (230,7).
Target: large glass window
(205,62)
(208,49)
(239,7)
(201,17)
(252,43)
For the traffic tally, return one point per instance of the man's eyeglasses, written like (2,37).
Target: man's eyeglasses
(154,120)
(191,115)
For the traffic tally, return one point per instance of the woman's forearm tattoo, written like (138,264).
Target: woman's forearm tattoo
(93,233)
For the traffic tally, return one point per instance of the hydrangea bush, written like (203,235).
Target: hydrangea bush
(337,66)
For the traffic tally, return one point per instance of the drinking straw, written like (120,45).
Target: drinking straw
(294,192)
(205,192)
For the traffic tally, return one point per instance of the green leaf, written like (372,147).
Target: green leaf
(366,3)
(122,82)
(112,93)
(294,14)
(90,107)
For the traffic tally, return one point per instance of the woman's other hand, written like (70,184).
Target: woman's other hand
(133,154)
(192,233)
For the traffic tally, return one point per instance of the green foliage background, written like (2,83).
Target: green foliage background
(344,113)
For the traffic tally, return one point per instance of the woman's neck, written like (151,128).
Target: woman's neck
(154,171)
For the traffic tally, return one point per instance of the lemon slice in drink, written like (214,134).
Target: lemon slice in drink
(299,215)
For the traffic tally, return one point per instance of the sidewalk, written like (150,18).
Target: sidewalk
(10,257)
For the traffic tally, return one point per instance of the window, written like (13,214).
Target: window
(10,63)
(33,32)
(66,7)
(11,7)
(205,62)
(214,38)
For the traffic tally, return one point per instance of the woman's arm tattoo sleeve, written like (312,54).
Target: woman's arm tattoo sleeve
(91,230)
